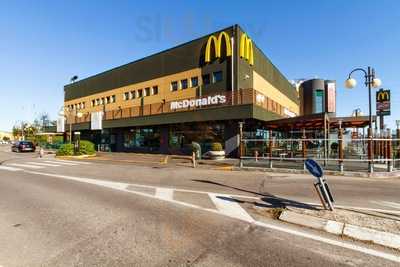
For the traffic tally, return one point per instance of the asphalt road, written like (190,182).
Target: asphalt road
(59,215)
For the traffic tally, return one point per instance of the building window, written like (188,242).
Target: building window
(206,79)
(108,99)
(174,86)
(140,93)
(93,103)
(97,102)
(126,96)
(184,84)
(217,76)
(194,81)
(147,91)
(113,99)
(133,94)
(155,90)
(83,105)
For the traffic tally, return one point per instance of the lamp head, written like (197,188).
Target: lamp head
(350,83)
(79,114)
(376,82)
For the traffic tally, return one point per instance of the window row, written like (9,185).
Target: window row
(77,106)
(215,77)
(103,101)
(141,93)
(194,81)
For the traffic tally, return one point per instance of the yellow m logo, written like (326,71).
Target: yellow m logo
(217,42)
(383,96)
(246,49)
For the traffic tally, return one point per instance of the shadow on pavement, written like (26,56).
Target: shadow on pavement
(268,200)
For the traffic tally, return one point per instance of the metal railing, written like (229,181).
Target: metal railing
(340,154)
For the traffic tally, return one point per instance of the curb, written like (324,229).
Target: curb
(357,232)
(76,157)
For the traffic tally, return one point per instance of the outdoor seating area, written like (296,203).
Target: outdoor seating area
(339,143)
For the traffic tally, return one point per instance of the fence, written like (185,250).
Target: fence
(340,154)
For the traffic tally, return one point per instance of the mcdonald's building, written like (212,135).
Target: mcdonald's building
(198,91)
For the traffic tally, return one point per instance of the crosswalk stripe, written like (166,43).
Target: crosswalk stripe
(75,162)
(165,193)
(9,168)
(25,166)
(230,208)
(61,163)
(44,164)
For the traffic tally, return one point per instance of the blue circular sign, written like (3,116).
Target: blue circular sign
(314,168)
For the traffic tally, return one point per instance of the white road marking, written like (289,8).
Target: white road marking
(61,163)
(75,162)
(165,193)
(43,164)
(25,165)
(9,169)
(260,198)
(229,207)
(123,187)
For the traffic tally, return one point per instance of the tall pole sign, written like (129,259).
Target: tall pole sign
(382,105)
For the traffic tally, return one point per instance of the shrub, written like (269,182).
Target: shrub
(216,147)
(86,148)
(65,150)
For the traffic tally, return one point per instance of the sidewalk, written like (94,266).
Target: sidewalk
(226,164)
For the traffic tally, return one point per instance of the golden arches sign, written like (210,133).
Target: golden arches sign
(382,96)
(246,49)
(217,43)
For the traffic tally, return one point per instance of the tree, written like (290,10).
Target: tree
(6,138)
(25,129)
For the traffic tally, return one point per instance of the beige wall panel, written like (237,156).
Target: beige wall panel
(164,92)
(264,87)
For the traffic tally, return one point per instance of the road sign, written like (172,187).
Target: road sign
(382,102)
(314,168)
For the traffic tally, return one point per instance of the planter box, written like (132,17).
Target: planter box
(215,155)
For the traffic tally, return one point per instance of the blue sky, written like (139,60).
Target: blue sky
(44,43)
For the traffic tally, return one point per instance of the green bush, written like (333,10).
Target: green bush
(65,150)
(86,148)
(216,147)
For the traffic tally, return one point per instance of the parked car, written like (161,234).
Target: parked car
(23,146)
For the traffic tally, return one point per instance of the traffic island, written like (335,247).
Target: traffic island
(380,229)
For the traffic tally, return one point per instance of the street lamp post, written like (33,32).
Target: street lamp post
(370,81)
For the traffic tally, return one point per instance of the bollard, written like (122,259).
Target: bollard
(194,159)
(256,155)
(41,152)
